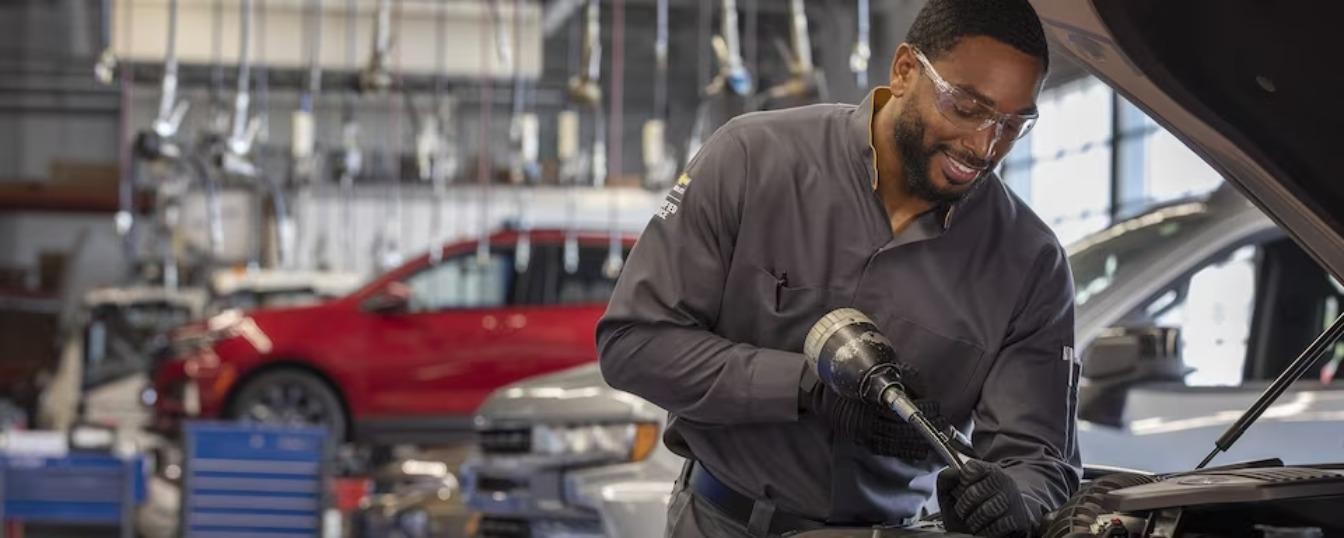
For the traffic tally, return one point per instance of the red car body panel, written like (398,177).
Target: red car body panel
(391,366)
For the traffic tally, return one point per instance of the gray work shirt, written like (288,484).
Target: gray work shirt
(775,223)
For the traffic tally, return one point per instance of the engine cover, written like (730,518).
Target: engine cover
(1232,486)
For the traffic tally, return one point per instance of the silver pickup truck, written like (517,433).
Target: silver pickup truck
(1173,351)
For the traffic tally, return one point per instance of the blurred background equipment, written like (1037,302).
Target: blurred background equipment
(399,220)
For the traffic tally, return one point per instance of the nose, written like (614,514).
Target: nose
(982,143)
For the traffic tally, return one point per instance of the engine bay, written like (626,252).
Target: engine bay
(1257,499)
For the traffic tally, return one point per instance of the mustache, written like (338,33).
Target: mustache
(967,158)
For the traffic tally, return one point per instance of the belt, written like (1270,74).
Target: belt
(742,508)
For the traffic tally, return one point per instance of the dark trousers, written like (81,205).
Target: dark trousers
(691,516)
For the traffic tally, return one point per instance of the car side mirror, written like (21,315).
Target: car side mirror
(1120,359)
(395,298)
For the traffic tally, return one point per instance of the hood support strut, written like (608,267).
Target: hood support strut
(1309,357)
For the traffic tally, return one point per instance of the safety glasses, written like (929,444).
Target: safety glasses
(967,112)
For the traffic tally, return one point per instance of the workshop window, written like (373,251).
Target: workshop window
(462,282)
(1154,166)
(1062,168)
(1091,146)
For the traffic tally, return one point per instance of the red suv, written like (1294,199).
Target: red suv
(407,357)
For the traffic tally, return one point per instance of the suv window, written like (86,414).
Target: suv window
(545,281)
(463,282)
(1103,258)
(1246,315)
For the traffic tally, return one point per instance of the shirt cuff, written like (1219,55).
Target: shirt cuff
(774,385)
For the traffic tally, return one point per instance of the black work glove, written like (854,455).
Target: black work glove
(983,501)
(880,431)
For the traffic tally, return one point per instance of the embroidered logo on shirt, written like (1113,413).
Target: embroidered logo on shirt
(672,202)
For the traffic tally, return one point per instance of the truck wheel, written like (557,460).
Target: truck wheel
(290,397)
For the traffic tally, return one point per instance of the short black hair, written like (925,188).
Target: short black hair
(942,23)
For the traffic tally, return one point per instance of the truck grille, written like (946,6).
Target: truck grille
(492,484)
(510,441)
(498,527)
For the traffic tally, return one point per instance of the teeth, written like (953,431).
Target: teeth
(961,168)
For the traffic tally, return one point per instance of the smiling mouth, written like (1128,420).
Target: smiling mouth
(959,171)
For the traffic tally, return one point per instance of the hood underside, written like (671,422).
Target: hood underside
(1253,87)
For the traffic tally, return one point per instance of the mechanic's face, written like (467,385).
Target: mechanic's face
(960,114)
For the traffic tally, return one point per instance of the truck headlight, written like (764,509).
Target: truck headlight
(630,441)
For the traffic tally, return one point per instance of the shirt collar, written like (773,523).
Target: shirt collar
(861,130)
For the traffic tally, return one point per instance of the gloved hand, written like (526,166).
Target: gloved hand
(983,501)
(879,430)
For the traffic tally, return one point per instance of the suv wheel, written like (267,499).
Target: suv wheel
(290,397)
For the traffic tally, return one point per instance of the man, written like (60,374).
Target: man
(889,207)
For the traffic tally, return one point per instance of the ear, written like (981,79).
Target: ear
(904,70)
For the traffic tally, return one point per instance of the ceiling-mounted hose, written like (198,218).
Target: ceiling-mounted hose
(352,161)
(105,69)
(390,255)
(237,156)
(285,234)
(659,165)
(377,77)
(729,47)
(430,137)
(805,81)
(303,139)
(858,59)
(611,267)
(303,135)
(218,125)
(583,87)
(171,111)
(523,129)
(484,157)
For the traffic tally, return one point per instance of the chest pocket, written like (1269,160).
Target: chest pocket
(950,369)
(788,311)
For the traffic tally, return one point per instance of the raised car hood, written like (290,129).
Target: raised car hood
(1251,86)
(562,396)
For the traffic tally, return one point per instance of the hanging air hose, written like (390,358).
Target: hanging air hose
(129,169)
(586,90)
(376,77)
(660,167)
(244,128)
(352,159)
(612,266)
(734,69)
(484,168)
(858,59)
(435,168)
(218,115)
(392,256)
(284,234)
(105,69)
(524,129)
(212,136)
(305,170)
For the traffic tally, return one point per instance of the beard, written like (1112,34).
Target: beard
(908,134)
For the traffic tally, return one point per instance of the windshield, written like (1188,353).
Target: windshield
(1100,260)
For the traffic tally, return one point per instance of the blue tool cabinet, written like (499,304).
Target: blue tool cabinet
(253,480)
(73,489)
